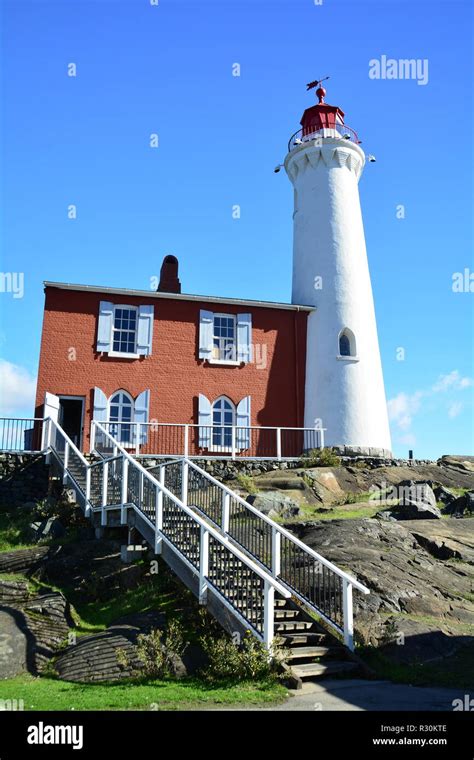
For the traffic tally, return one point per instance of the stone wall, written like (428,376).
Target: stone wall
(23,477)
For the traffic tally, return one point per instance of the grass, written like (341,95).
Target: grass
(158,593)
(314,512)
(13,531)
(51,694)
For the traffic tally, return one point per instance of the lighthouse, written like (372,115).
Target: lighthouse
(344,387)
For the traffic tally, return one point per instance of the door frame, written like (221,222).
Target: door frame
(82,400)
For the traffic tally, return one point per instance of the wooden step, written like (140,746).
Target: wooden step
(307,637)
(293,625)
(302,653)
(320,669)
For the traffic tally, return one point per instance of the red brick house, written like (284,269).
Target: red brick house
(119,355)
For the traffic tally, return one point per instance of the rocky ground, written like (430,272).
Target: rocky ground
(420,571)
(359,515)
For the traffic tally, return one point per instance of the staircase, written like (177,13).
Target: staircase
(250,572)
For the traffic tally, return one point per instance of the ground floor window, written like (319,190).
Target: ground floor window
(223,415)
(121,413)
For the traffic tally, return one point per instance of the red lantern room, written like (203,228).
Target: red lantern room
(321,116)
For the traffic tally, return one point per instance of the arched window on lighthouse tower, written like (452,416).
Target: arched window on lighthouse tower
(347,344)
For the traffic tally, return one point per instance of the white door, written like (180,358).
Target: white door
(51,406)
(50,409)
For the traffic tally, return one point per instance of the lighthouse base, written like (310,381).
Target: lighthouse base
(363,451)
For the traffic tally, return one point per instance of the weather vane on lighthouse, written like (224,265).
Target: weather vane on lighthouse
(320,92)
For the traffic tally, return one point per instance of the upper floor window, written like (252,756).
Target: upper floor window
(224,339)
(125,331)
(124,337)
(347,344)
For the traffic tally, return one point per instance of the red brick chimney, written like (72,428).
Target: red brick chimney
(169,281)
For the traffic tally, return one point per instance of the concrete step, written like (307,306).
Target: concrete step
(321,670)
(287,614)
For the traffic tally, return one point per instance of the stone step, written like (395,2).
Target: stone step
(321,670)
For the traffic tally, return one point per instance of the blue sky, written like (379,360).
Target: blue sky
(167,69)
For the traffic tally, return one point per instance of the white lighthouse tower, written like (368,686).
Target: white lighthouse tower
(344,383)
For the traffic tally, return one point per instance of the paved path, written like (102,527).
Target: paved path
(358,694)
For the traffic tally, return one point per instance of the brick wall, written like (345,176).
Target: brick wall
(69,364)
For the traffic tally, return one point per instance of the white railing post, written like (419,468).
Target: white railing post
(184,482)
(233,431)
(159,513)
(66,462)
(348,614)
(88,491)
(203,564)
(105,486)
(268,614)
(321,438)
(225,511)
(124,494)
(137,438)
(276,551)
(278,435)
(92,437)
(186,440)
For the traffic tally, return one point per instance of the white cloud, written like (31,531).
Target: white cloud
(454,409)
(17,389)
(452,380)
(403,407)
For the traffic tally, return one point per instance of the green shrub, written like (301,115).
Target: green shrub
(321,458)
(247,483)
(247,660)
(157,650)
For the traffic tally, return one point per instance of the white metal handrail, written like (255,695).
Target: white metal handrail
(270,583)
(237,441)
(279,535)
(359,586)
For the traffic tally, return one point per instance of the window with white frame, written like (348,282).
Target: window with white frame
(223,417)
(121,408)
(224,337)
(124,331)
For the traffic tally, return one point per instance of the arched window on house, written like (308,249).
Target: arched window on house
(223,415)
(347,344)
(121,412)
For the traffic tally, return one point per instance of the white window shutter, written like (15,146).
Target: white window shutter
(244,337)
(100,406)
(206,334)
(205,422)
(104,329)
(243,423)
(142,406)
(145,329)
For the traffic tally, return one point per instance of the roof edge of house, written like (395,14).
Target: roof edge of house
(178,296)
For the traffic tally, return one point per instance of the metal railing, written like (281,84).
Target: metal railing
(162,439)
(307,133)
(21,434)
(316,582)
(117,479)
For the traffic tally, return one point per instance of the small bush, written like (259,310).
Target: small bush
(230,661)
(247,483)
(157,650)
(321,458)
